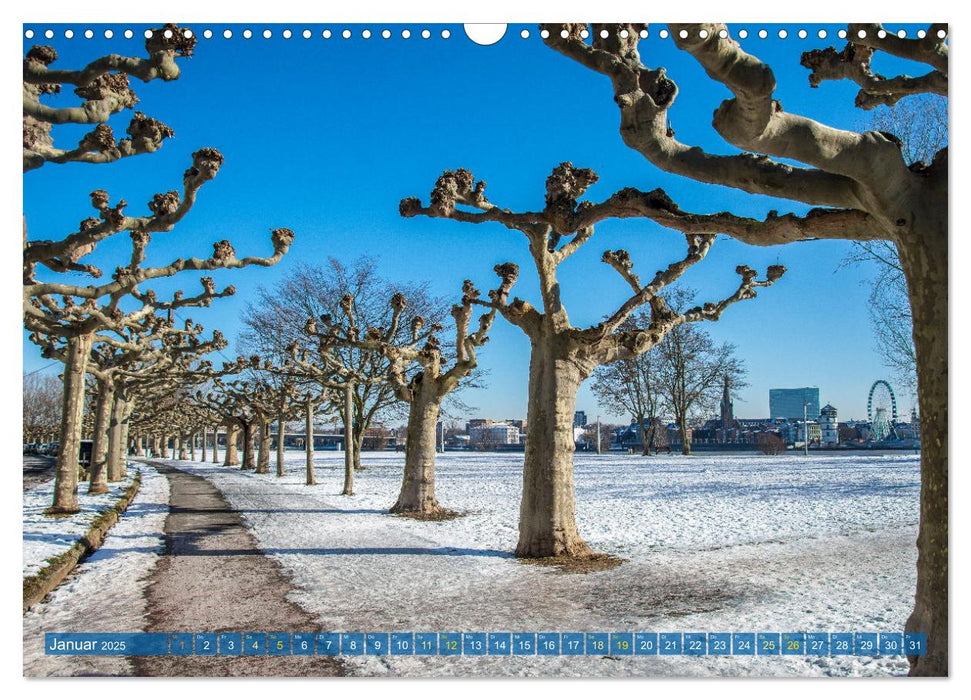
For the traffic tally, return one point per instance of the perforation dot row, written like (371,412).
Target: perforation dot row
(445,34)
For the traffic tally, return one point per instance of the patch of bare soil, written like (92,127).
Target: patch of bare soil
(213,578)
(575,565)
(438,515)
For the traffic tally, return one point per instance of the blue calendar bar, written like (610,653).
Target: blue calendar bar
(509,644)
(106,643)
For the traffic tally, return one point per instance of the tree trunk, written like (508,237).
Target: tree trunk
(192,447)
(215,444)
(156,447)
(249,444)
(348,440)
(204,436)
(232,454)
(547,519)
(645,441)
(99,445)
(311,480)
(126,411)
(115,445)
(924,259)
(263,459)
(72,412)
(418,484)
(685,440)
(165,447)
(180,442)
(280,430)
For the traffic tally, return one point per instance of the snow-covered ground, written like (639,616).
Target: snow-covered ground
(740,543)
(46,537)
(104,594)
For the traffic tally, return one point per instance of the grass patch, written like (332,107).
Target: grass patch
(577,565)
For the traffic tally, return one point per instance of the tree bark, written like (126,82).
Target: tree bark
(249,445)
(547,519)
(311,480)
(204,436)
(156,446)
(923,256)
(192,447)
(215,444)
(232,454)
(263,459)
(126,411)
(165,447)
(645,441)
(180,443)
(115,444)
(685,440)
(348,440)
(418,484)
(99,446)
(72,412)
(280,430)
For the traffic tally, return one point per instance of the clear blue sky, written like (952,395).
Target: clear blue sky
(326,136)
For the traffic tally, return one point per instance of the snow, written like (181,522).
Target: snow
(105,592)
(46,537)
(738,543)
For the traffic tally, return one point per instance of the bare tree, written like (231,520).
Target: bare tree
(860,182)
(693,370)
(632,387)
(563,355)
(42,406)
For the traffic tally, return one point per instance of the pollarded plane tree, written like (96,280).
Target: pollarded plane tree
(232,400)
(563,355)
(86,310)
(276,398)
(103,86)
(336,379)
(860,184)
(425,389)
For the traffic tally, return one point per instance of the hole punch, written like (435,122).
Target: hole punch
(486,34)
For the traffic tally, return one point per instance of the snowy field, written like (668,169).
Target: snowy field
(104,594)
(739,543)
(45,537)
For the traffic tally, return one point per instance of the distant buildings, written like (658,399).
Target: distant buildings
(829,427)
(493,435)
(580,419)
(793,404)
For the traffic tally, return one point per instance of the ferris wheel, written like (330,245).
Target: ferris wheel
(881,410)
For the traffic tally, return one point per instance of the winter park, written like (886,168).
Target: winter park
(666,398)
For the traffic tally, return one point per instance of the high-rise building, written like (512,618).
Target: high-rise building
(794,403)
(579,419)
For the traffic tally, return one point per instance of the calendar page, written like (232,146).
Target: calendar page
(417,349)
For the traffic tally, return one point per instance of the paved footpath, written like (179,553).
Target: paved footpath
(213,578)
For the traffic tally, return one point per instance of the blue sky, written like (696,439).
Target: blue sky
(326,136)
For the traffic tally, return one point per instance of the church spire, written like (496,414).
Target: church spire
(727,408)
